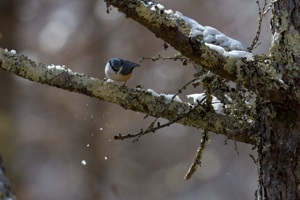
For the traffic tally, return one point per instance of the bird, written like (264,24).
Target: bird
(119,70)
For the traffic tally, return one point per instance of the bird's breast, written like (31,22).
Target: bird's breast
(111,74)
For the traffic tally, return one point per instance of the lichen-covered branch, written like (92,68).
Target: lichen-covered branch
(134,99)
(198,157)
(179,31)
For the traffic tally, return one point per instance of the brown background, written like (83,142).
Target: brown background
(46,132)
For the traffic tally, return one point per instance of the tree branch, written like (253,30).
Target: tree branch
(134,99)
(198,157)
(176,31)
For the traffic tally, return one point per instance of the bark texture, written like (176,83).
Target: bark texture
(279,156)
(279,152)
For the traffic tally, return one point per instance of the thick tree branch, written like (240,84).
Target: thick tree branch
(173,29)
(133,99)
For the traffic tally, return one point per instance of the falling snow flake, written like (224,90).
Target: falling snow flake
(83,162)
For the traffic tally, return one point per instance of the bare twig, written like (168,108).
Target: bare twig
(152,129)
(261,15)
(198,157)
(205,138)
(177,56)
(269,7)
(184,87)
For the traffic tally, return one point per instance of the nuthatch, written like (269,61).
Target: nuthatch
(119,70)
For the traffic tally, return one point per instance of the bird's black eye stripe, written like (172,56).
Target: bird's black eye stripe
(112,66)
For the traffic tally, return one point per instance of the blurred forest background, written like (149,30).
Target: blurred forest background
(46,133)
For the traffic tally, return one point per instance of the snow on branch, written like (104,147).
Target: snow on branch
(135,99)
(206,46)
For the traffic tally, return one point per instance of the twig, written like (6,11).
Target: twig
(269,7)
(177,56)
(236,148)
(261,16)
(159,126)
(198,157)
(184,87)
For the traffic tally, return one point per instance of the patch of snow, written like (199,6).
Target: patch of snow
(217,105)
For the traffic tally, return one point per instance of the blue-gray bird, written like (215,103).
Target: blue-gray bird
(118,69)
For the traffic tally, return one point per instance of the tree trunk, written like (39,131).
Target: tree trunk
(279,152)
(279,156)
